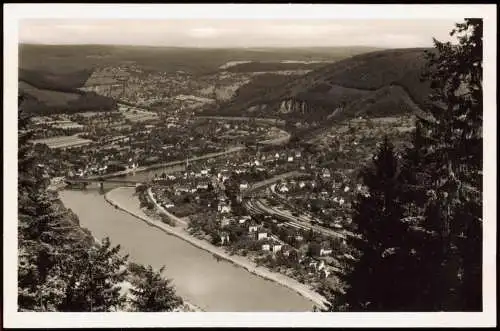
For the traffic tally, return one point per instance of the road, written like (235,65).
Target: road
(272,180)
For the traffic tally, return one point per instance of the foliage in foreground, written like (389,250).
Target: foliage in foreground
(421,224)
(151,292)
(60,266)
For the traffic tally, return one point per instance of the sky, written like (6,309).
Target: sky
(237,33)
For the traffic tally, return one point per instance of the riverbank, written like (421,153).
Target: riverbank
(169,164)
(113,198)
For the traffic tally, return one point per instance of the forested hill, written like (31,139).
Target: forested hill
(49,93)
(378,83)
(68,58)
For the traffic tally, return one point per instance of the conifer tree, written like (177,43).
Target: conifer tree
(440,193)
(153,293)
(452,132)
(94,279)
(378,277)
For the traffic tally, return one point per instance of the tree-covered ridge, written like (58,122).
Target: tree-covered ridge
(421,222)
(60,266)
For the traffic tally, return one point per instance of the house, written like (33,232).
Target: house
(321,265)
(266,247)
(224,208)
(283,188)
(325,251)
(225,221)
(290,159)
(286,250)
(224,238)
(326,173)
(168,205)
(243,185)
(313,264)
(298,154)
(261,235)
(325,272)
(202,186)
(182,189)
(277,247)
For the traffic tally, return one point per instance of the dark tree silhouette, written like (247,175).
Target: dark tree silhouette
(152,292)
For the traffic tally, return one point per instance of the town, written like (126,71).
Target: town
(282,205)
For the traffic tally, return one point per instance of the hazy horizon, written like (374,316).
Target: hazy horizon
(257,33)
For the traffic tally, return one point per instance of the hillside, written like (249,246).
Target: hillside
(58,81)
(68,58)
(275,66)
(46,93)
(376,84)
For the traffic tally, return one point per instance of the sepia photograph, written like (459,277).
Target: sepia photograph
(210,163)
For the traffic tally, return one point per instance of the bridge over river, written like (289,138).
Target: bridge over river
(84,182)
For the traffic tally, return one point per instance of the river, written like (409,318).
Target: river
(198,277)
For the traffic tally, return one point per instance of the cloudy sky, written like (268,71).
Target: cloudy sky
(236,33)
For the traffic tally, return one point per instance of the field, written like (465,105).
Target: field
(61,124)
(139,115)
(63,142)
